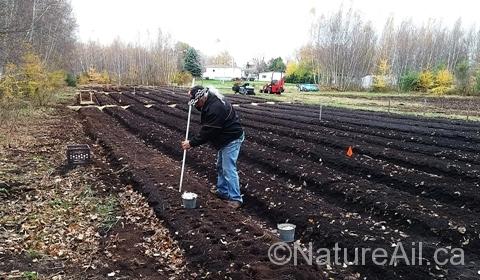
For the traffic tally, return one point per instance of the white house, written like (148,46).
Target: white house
(220,72)
(270,76)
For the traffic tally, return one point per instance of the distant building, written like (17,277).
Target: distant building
(367,81)
(221,72)
(270,76)
(250,71)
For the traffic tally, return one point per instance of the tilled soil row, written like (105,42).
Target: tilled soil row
(319,222)
(105,99)
(397,205)
(416,182)
(429,150)
(342,139)
(158,98)
(368,113)
(338,126)
(461,161)
(432,138)
(179,94)
(219,241)
(138,98)
(427,164)
(329,113)
(441,188)
(347,138)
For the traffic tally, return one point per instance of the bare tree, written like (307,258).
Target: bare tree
(224,58)
(344,48)
(46,27)
(154,64)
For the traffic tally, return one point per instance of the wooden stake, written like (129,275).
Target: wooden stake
(425,105)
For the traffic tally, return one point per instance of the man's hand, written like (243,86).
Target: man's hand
(186,145)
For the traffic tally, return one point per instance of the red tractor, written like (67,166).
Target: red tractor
(275,87)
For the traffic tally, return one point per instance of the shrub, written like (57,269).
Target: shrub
(380,80)
(94,77)
(443,81)
(71,80)
(299,73)
(477,82)
(443,78)
(31,80)
(182,78)
(10,82)
(462,73)
(409,81)
(379,83)
(426,80)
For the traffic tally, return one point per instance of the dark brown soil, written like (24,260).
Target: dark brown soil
(410,180)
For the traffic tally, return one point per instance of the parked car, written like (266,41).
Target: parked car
(308,87)
(245,89)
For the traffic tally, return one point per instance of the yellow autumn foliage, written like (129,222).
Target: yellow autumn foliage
(380,80)
(182,78)
(292,67)
(94,77)
(30,80)
(443,81)
(426,80)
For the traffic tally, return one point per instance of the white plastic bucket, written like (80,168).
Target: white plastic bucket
(287,232)
(189,200)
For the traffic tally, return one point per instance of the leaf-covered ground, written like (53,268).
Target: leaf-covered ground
(82,223)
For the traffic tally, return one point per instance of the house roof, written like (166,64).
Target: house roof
(221,66)
(269,72)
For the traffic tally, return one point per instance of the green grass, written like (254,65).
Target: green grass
(33,254)
(107,212)
(64,96)
(373,102)
(88,192)
(30,275)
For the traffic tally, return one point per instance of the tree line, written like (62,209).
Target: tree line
(344,48)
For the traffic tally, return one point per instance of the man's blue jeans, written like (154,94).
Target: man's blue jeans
(228,183)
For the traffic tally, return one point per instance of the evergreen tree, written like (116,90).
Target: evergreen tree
(192,63)
(277,65)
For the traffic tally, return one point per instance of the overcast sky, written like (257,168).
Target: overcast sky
(246,28)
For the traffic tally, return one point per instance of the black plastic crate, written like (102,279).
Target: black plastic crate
(78,154)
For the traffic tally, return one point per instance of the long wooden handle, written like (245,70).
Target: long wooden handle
(185,151)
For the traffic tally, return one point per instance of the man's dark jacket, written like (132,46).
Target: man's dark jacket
(220,124)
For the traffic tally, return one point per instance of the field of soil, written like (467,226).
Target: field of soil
(409,180)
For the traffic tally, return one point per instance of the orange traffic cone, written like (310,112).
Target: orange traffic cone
(350,151)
